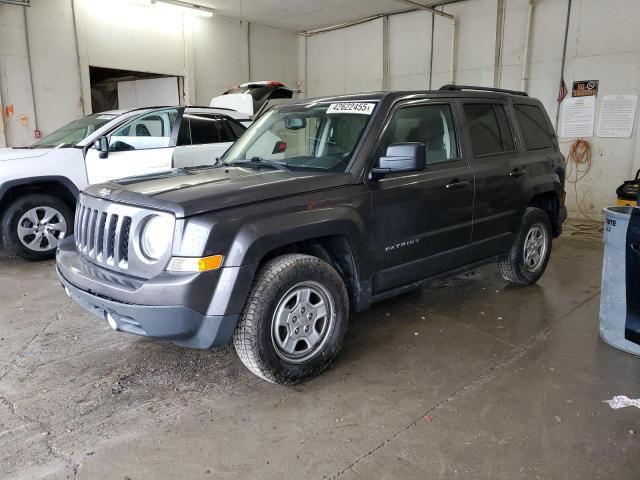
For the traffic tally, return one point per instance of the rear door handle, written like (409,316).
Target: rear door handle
(515,173)
(635,247)
(456,184)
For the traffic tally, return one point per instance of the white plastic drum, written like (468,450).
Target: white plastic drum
(613,296)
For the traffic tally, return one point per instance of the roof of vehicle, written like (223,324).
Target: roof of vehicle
(259,83)
(462,91)
(121,116)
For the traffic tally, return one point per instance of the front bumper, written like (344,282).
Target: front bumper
(193,310)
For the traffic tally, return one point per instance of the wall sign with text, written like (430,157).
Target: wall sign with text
(585,88)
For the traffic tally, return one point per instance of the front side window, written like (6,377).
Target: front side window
(152,130)
(534,126)
(320,137)
(489,128)
(74,132)
(428,124)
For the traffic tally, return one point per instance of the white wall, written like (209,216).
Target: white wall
(346,60)
(274,55)
(604,44)
(210,53)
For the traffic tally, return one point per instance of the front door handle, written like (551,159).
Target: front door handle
(515,173)
(456,184)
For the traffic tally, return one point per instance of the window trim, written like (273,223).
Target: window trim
(515,132)
(521,130)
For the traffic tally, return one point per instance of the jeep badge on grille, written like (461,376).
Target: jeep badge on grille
(104,192)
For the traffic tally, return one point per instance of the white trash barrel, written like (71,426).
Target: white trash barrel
(613,294)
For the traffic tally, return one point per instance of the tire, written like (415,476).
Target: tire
(20,219)
(266,338)
(535,231)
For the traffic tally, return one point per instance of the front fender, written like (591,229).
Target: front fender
(256,239)
(34,181)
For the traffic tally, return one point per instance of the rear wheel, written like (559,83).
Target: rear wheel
(294,320)
(527,260)
(34,225)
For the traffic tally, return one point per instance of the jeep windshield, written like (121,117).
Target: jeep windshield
(320,137)
(74,132)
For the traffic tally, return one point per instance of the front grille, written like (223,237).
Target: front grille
(104,234)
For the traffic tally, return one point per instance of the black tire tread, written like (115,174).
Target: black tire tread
(510,265)
(266,282)
(7,233)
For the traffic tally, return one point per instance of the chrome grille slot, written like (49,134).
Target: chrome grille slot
(100,236)
(110,238)
(124,239)
(91,234)
(105,233)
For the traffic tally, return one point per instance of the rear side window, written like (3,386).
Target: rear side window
(534,126)
(207,129)
(235,128)
(489,128)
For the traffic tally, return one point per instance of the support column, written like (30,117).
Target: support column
(386,80)
(497,59)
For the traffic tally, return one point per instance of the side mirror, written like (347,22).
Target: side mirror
(101,144)
(295,123)
(401,157)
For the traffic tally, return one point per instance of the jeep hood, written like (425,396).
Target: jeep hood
(22,153)
(188,192)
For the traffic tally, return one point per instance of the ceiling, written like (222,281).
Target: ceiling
(302,15)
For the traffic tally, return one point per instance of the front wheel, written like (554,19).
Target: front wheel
(33,225)
(294,319)
(527,260)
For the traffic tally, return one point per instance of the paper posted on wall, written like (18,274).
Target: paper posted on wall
(617,114)
(577,117)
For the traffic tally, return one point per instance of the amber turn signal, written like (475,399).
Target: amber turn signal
(191,264)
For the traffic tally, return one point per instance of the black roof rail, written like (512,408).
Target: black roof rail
(483,89)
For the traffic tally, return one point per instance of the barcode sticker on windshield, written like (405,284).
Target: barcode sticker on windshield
(348,107)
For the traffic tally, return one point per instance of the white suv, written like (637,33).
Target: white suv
(39,184)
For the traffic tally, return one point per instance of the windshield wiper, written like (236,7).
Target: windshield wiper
(260,161)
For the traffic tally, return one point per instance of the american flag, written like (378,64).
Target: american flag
(563,91)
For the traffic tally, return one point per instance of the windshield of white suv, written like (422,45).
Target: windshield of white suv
(321,137)
(73,132)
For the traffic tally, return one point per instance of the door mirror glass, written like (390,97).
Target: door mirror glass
(402,157)
(295,123)
(101,144)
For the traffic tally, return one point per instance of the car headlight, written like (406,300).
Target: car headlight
(156,237)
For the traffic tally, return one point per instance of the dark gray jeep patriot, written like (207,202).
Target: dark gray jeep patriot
(322,207)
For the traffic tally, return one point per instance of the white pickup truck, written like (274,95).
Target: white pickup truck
(39,184)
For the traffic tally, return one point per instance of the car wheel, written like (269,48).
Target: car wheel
(294,319)
(527,260)
(33,225)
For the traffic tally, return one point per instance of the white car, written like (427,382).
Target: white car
(39,184)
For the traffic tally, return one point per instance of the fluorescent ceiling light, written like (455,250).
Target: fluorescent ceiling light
(190,7)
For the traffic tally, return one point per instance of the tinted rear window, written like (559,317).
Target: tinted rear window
(534,126)
(236,128)
(489,128)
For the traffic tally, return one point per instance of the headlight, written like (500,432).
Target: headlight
(156,237)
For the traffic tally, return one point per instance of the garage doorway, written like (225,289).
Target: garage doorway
(113,89)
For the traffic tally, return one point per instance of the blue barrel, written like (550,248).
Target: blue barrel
(613,295)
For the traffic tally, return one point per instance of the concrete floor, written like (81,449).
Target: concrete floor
(468,379)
